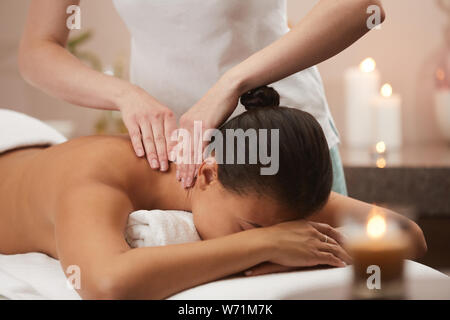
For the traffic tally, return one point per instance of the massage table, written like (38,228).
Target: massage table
(37,276)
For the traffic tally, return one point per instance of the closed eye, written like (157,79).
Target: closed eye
(250,225)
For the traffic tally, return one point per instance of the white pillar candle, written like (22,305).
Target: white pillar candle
(362,86)
(442,110)
(386,109)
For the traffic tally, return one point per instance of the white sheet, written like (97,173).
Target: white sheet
(37,276)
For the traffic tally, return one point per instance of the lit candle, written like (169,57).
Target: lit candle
(378,246)
(381,162)
(442,111)
(379,151)
(362,86)
(442,96)
(386,110)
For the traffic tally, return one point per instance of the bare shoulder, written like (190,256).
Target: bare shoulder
(101,158)
(99,170)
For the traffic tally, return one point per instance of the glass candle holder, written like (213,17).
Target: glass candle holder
(379,247)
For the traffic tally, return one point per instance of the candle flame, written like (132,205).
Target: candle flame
(368,65)
(386,90)
(376,226)
(380,147)
(381,163)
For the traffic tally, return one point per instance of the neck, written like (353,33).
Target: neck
(160,190)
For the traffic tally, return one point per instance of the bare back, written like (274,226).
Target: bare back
(33,179)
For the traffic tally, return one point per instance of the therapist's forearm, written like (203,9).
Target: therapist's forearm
(328,29)
(50,67)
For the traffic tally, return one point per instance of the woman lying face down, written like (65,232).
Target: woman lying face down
(72,202)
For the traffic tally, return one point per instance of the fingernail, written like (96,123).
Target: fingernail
(248,273)
(164,166)
(182,183)
(140,152)
(154,164)
(172,156)
(189,182)
(178,175)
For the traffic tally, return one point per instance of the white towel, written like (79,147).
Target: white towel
(18,130)
(160,228)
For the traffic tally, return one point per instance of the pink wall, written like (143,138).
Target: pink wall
(410,34)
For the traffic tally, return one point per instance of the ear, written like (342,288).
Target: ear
(207,173)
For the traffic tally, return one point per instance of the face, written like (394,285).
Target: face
(219,212)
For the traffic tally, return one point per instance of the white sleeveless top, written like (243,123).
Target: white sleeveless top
(180,48)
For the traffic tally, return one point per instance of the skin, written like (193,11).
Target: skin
(328,29)
(72,202)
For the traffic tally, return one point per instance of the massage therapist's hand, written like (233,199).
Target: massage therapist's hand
(301,243)
(150,125)
(211,111)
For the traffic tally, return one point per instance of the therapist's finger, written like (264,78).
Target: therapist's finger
(136,138)
(186,176)
(191,175)
(197,158)
(149,145)
(160,143)
(170,126)
(189,172)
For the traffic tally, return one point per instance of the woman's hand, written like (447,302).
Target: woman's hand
(299,244)
(209,113)
(150,125)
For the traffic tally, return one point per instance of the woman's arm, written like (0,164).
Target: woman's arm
(89,231)
(329,28)
(338,207)
(45,63)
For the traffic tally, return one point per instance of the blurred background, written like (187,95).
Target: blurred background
(409,49)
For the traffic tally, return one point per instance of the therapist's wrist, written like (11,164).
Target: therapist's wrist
(236,82)
(124,92)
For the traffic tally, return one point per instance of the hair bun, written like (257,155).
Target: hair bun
(261,97)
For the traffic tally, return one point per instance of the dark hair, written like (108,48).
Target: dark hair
(304,178)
